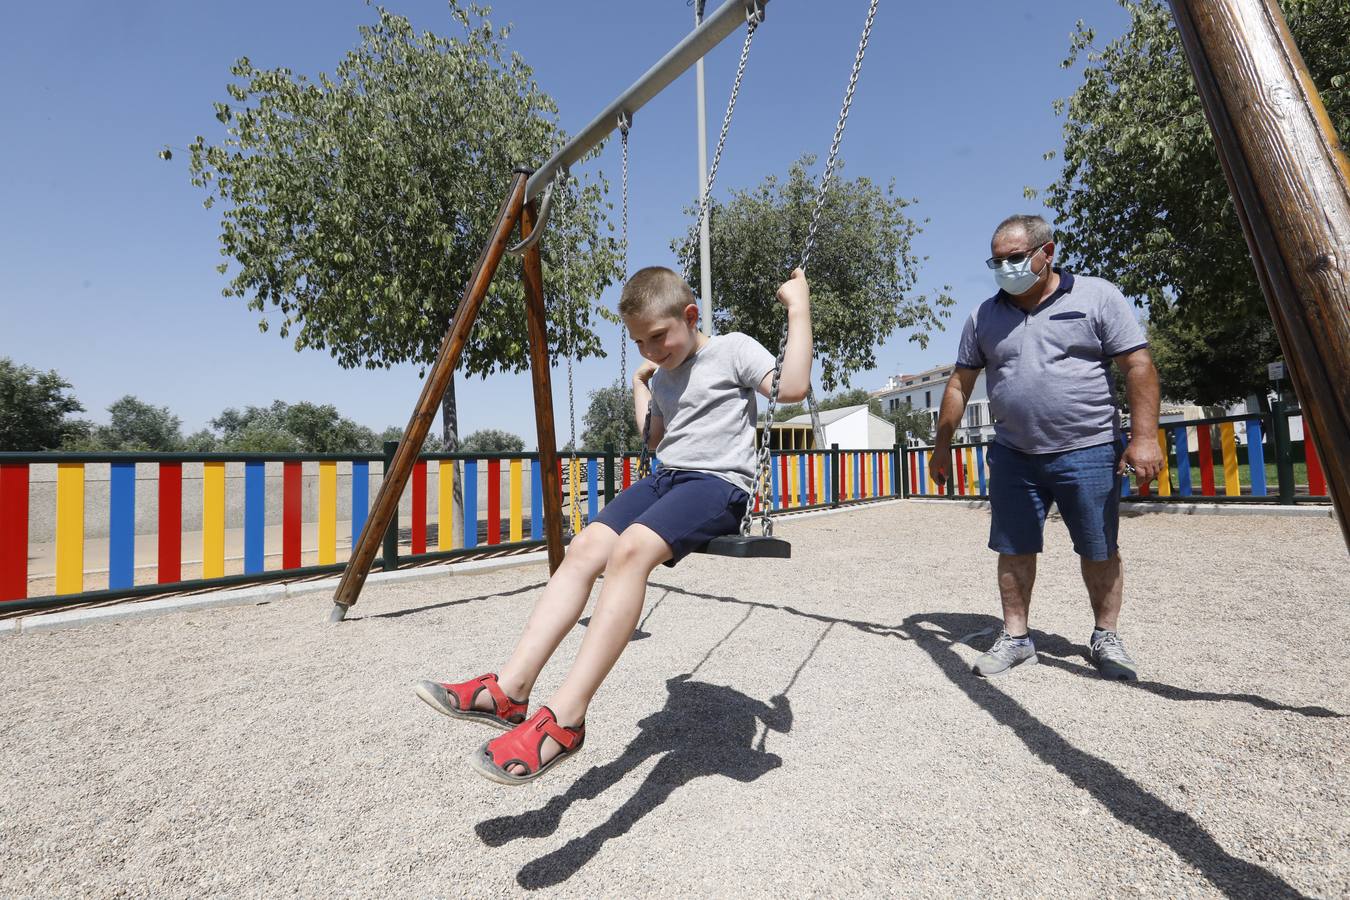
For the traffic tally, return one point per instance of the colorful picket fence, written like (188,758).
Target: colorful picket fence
(272,538)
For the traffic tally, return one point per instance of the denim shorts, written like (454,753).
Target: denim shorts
(1082,483)
(686,509)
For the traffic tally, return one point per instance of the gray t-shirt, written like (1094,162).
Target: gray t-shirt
(1049,371)
(708,405)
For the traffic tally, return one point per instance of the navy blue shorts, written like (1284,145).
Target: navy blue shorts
(1082,483)
(686,509)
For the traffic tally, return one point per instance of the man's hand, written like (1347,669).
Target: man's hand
(795,293)
(645,372)
(940,463)
(1144,456)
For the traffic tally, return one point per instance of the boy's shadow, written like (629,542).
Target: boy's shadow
(704,729)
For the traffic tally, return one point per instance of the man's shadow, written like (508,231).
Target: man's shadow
(704,729)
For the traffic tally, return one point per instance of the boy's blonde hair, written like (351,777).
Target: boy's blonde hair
(656,291)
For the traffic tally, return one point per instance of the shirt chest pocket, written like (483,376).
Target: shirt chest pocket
(1072,334)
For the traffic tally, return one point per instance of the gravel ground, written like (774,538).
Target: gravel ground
(793,728)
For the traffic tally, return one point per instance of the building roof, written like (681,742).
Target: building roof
(827,416)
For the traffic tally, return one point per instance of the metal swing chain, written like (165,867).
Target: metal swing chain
(754,17)
(765,458)
(569,347)
(624,125)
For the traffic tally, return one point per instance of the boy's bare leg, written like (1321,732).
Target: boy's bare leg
(637,552)
(556,611)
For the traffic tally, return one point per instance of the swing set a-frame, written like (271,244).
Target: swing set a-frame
(1288,175)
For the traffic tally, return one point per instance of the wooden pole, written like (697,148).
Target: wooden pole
(1290,181)
(536,316)
(396,478)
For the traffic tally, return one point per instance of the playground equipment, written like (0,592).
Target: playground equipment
(1289,178)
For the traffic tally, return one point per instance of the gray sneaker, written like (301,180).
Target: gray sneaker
(1006,655)
(1107,652)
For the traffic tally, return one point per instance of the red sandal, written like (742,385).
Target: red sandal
(457,700)
(522,745)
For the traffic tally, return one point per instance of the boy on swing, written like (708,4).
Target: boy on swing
(700,391)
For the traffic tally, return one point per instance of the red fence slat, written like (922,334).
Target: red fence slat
(419,507)
(170,522)
(13,531)
(494,501)
(292,485)
(1206,453)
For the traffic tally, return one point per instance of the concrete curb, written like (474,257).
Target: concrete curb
(1181,509)
(267,593)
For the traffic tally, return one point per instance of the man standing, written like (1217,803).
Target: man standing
(1047,339)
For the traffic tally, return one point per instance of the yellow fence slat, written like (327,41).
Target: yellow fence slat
(213,519)
(327,512)
(517,500)
(445,506)
(1164,476)
(574,492)
(1228,442)
(69,528)
(970,471)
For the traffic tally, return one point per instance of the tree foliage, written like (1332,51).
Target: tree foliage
(356,205)
(292,428)
(862,271)
(1142,199)
(35,408)
(492,440)
(609,420)
(133,425)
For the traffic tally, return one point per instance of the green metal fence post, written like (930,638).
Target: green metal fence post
(609,472)
(905,486)
(1284,451)
(834,474)
(389,559)
(896,490)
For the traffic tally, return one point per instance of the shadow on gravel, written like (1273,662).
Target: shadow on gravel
(703,730)
(1118,794)
(1056,652)
(537,586)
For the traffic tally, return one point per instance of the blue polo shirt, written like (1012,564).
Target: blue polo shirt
(1049,370)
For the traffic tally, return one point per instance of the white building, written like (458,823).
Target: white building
(851,427)
(924,392)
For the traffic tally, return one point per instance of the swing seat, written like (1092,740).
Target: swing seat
(755,546)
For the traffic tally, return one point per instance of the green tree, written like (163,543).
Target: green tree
(609,420)
(357,204)
(862,271)
(492,440)
(1142,199)
(34,408)
(907,420)
(137,425)
(433,443)
(292,428)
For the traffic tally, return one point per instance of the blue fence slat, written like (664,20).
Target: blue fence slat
(1256,458)
(470,503)
(1183,445)
(922,487)
(255,522)
(361,498)
(1124,479)
(592,489)
(876,474)
(122,525)
(979,469)
(774,502)
(803,470)
(536,501)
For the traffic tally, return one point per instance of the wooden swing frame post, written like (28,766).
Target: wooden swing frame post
(515,210)
(1290,182)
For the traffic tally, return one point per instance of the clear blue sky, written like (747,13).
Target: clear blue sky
(107,258)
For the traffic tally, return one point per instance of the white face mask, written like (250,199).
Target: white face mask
(1017,278)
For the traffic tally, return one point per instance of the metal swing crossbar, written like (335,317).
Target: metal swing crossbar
(521,207)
